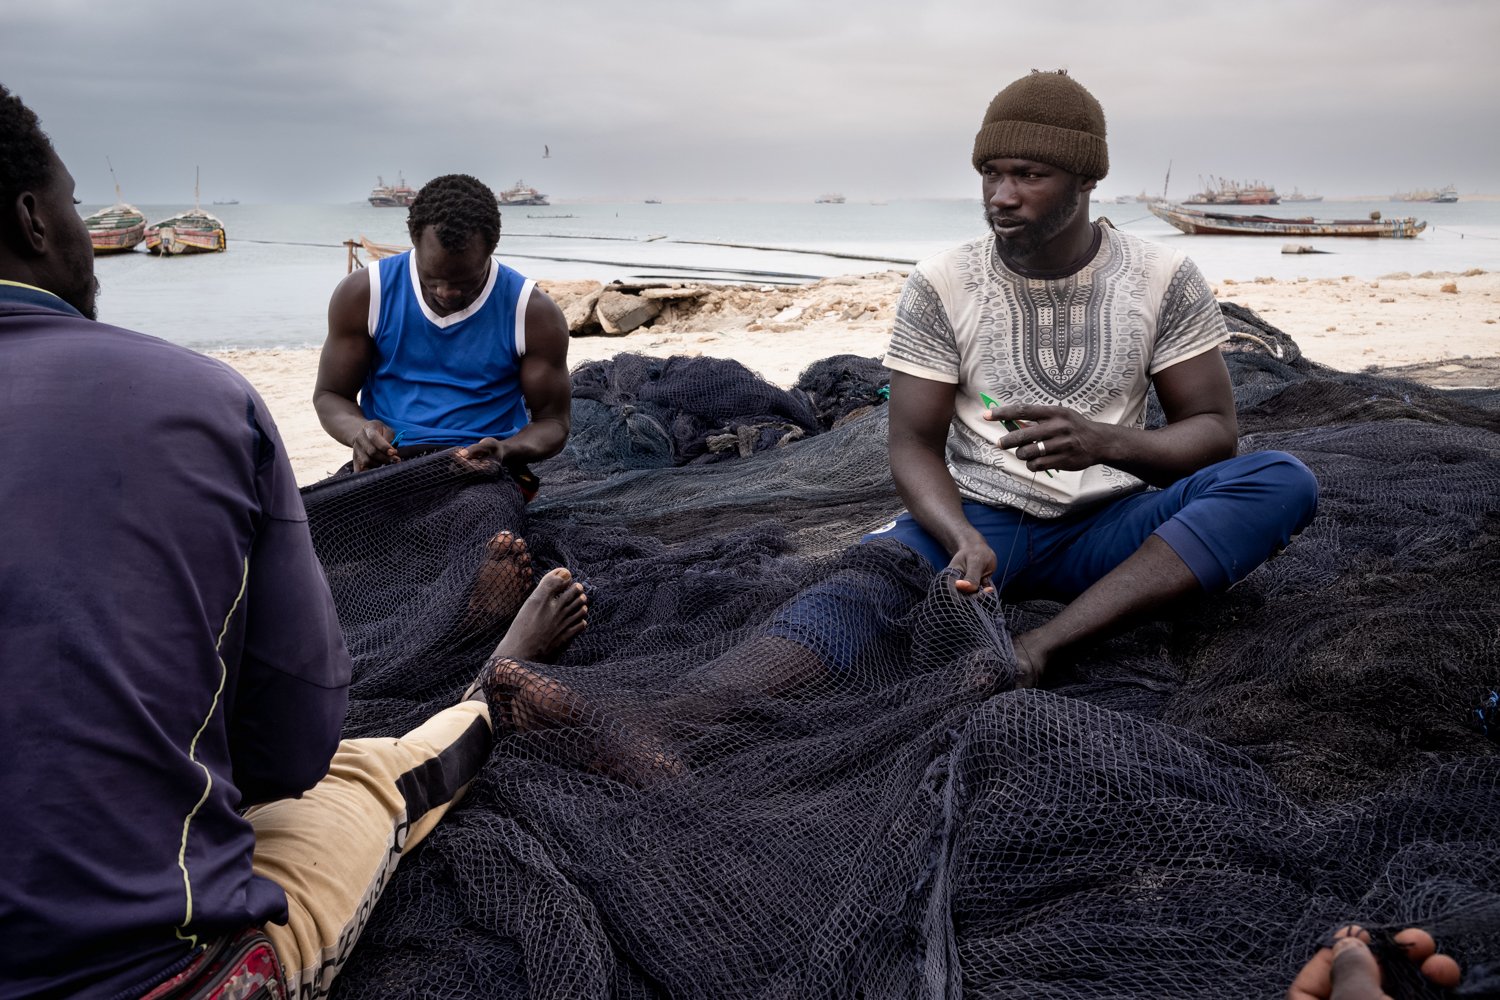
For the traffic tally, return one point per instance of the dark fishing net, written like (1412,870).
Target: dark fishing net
(717,798)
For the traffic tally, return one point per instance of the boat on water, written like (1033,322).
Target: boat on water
(1297,195)
(520,193)
(398,195)
(117,228)
(1196,223)
(1219,191)
(228,201)
(829,199)
(1442,196)
(194,231)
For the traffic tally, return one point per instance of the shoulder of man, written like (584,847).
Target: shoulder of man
(945,262)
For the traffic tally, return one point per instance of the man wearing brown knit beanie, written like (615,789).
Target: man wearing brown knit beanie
(1021,363)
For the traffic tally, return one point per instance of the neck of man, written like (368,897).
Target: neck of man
(1062,254)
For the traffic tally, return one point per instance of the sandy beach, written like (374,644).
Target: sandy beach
(1431,320)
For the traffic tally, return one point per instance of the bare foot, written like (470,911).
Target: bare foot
(503,578)
(522,700)
(556,611)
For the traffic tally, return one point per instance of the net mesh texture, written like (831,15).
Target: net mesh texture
(691,803)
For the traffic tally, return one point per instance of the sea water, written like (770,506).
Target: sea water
(271,287)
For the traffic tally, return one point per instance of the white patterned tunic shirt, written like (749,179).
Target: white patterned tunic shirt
(1090,341)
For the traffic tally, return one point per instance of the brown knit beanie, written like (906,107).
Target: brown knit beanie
(1047,117)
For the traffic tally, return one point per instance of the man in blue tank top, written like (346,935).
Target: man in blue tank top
(445,346)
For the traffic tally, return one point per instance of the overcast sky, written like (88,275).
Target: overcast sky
(307,101)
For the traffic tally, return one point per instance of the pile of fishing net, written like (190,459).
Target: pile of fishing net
(1185,811)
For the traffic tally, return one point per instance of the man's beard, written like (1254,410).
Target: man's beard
(1037,234)
(85,303)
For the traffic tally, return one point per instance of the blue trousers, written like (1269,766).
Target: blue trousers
(1223,521)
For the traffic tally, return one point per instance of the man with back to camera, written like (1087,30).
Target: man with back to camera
(182,814)
(443,345)
(1020,368)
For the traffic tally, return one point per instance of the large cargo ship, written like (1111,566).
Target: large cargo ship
(520,194)
(1219,191)
(385,195)
(1442,196)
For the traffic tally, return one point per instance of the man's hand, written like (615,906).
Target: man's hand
(372,446)
(1052,437)
(974,561)
(485,453)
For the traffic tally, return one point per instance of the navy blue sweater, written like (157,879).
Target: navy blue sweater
(169,652)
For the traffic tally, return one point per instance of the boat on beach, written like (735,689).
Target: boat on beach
(521,193)
(194,231)
(1196,223)
(1219,191)
(398,195)
(117,228)
(375,251)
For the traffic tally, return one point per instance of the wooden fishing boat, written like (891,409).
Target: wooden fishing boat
(194,231)
(115,229)
(376,251)
(1195,223)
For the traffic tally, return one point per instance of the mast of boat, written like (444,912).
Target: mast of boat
(196,209)
(1167,181)
(119,198)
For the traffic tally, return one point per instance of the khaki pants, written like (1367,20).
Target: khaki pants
(334,849)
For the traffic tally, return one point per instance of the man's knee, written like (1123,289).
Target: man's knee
(1292,484)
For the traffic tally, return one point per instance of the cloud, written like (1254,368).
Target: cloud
(284,101)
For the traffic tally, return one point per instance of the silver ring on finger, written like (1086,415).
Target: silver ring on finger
(1041,447)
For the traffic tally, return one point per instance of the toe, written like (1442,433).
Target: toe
(1417,943)
(554,583)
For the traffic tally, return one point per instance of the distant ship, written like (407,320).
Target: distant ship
(384,195)
(653,201)
(228,201)
(1297,195)
(829,199)
(1443,196)
(1219,191)
(521,194)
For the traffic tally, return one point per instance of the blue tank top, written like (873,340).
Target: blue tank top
(446,380)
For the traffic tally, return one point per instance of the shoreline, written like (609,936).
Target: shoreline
(1351,324)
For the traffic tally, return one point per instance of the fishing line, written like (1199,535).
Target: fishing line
(1462,235)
